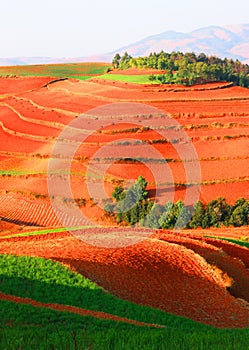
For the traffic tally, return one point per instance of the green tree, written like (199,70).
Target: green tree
(240,213)
(198,215)
(217,213)
(154,212)
(118,193)
(167,219)
(116,61)
(125,61)
(183,218)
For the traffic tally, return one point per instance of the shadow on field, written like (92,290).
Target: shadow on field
(19,222)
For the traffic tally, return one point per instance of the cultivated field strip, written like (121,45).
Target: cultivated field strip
(31,213)
(12,85)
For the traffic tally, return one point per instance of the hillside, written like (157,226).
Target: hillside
(71,276)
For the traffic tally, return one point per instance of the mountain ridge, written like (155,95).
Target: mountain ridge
(231,41)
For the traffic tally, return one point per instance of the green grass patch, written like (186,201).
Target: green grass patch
(71,70)
(80,77)
(27,327)
(241,242)
(45,232)
(20,172)
(136,79)
(50,282)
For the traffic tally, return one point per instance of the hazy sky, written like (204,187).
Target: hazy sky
(83,27)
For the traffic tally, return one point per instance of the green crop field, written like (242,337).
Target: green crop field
(74,70)
(29,327)
(45,232)
(241,242)
(136,79)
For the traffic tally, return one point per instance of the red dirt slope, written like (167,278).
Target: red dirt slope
(160,273)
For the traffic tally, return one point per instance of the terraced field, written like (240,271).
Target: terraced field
(215,118)
(189,143)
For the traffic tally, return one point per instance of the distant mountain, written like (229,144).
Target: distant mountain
(231,41)
(16,61)
(227,41)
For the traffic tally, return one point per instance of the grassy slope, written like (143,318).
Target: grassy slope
(48,281)
(46,329)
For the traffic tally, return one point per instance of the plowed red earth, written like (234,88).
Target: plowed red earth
(60,100)
(22,211)
(13,122)
(204,107)
(21,84)
(210,171)
(74,310)
(221,148)
(111,91)
(12,143)
(174,273)
(28,110)
(169,272)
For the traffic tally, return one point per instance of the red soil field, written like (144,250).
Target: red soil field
(56,100)
(206,193)
(28,213)
(13,85)
(154,272)
(233,268)
(25,108)
(149,94)
(207,149)
(210,170)
(229,232)
(213,121)
(26,184)
(234,148)
(159,87)
(13,143)
(233,250)
(219,133)
(13,122)
(230,190)
(185,274)
(7,227)
(25,212)
(203,107)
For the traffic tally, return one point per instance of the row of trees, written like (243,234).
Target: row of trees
(133,206)
(187,68)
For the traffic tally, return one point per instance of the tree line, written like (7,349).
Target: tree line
(133,206)
(187,68)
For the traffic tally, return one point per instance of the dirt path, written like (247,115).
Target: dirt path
(75,310)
